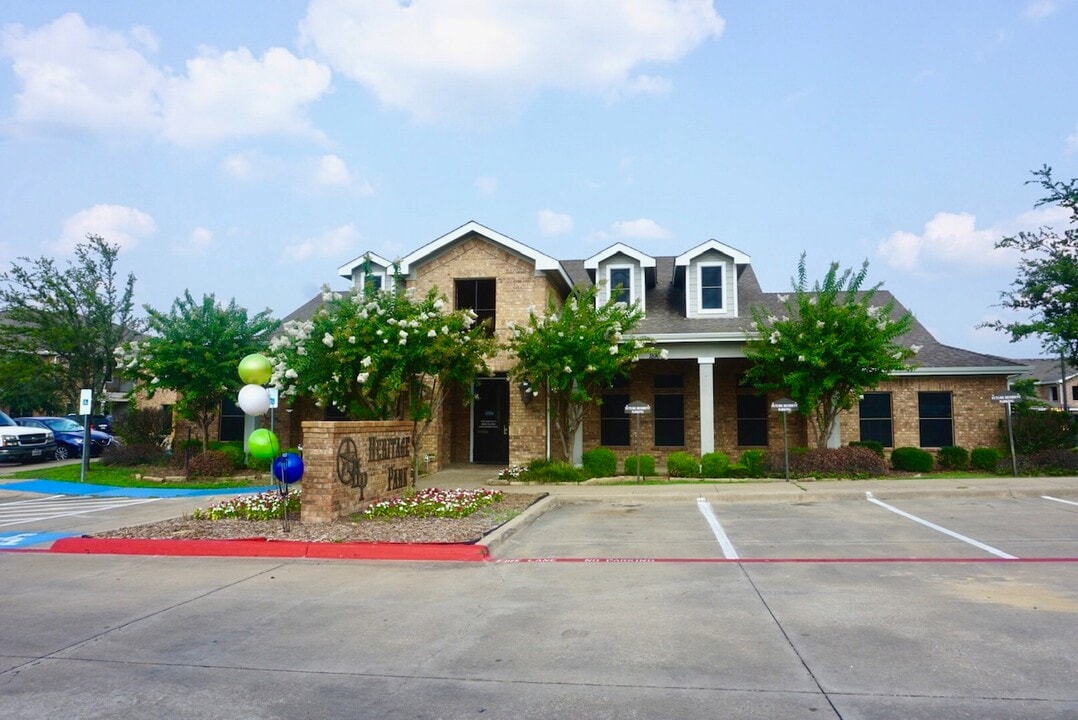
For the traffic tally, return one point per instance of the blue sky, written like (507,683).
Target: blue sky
(250,148)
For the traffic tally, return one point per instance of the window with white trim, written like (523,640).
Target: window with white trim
(709,286)
(620,283)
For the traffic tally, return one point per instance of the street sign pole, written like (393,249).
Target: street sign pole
(1006,398)
(638,409)
(785,406)
(86,406)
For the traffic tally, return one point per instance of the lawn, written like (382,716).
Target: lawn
(98,474)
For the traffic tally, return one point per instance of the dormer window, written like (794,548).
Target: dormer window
(372,283)
(620,282)
(711,287)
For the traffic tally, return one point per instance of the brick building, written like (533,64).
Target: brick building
(697,306)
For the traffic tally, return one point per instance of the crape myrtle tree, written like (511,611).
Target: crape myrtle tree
(195,349)
(831,345)
(1045,288)
(63,323)
(573,352)
(382,355)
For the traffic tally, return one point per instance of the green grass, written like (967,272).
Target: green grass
(98,474)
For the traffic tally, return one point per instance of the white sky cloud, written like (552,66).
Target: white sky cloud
(197,244)
(438,60)
(1071,143)
(116,224)
(1040,9)
(554,223)
(332,172)
(639,229)
(952,243)
(334,243)
(486,185)
(74,76)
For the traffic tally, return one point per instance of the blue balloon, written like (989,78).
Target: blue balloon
(288,467)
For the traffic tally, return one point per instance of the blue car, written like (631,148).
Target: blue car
(69,435)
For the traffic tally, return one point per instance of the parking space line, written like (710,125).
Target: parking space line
(20,512)
(716,527)
(1060,500)
(940,528)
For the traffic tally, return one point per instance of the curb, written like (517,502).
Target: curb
(256,547)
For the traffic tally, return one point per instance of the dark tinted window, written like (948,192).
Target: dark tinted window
(614,427)
(876,421)
(479,296)
(752,420)
(934,409)
(619,285)
(669,420)
(711,287)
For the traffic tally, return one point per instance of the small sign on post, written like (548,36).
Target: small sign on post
(638,409)
(86,406)
(785,406)
(1007,398)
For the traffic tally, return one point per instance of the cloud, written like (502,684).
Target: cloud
(82,78)
(117,224)
(486,185)
(554,223)
(639,229)
(457,60)
(196,244)
(1039,9)
(1071,143)
(951,243)
(335,243)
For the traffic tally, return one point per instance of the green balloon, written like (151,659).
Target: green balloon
(263,444)
(255,369)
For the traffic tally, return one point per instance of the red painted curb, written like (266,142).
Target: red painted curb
(271,548)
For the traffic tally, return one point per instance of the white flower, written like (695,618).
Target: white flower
(155,381)
(378,331)
(327,340)
(775,337)
(801,358)
(291,374)
(783,298)
(366,362)
(362,377)
(351,339)
(664,354)
(812,301)
(301,350)
(439,304)
(568,370)
(432,333)
(445,329)
(613,349)
(916,348)
(874,310)
(819,324)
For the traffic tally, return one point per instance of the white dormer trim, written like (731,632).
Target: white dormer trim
(380,269)
(727,300)
(733,253)
(646,261)
(543,262)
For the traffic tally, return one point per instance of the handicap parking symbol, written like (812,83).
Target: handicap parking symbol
(12,540)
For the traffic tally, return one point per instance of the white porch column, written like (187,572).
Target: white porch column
(707,404)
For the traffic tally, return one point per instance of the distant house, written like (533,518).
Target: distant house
(697,306)
(1056,382)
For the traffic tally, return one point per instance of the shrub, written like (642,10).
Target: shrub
(212,463)
(953,457)
(714,465)
(552,471)
(753,463)
(647,465)
(986,459)
(911,459)
(233,450)
(682,464)
(600,462)
(848,462)
(143,426)
(133,455)
(1035,431)
(1054,461)
(873,445)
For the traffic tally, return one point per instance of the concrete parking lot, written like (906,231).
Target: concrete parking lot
(624,608)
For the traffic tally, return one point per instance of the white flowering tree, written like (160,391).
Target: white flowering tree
(832,344)
(377,355)
(574,351)
(194,349)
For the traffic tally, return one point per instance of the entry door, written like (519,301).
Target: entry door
(490,421)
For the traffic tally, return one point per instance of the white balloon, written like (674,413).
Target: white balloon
(254,400)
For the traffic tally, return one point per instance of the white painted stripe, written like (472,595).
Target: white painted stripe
(716,527)
(48,508)
(939,528)
(1049,497)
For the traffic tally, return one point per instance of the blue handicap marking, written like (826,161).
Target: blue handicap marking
(11,540)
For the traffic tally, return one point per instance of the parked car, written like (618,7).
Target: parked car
(97,422)
(69,435)
(20,444)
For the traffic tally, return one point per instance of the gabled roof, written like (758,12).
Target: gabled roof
(542,262)
(739,257)
(1046,371)
(646,261)
(348,268)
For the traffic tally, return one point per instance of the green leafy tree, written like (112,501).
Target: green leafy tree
(378,355)
(573,352)
(195,349)
(832,344)
(29,384)
(1046,286)
(73,317)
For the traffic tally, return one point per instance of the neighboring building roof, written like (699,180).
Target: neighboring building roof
(1046,371)
(739,257)
(345,271)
